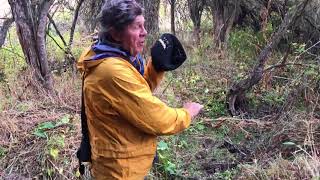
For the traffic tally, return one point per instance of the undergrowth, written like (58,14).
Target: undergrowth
(278,138)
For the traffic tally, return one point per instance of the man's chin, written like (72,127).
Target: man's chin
(140,50)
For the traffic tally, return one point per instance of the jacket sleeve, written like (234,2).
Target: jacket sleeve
(152,76)
(131,97)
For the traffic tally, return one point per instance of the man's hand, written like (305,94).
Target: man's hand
(193,108)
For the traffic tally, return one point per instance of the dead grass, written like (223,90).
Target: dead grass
(27,155)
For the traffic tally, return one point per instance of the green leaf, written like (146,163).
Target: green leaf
(311,72)
(50,172)
(77,174)
(64,120)
(170,167)
(60,141)
(54,153)
(2,151)
(40,133)
(289,143)
(200,127)
(162,146)
(46,125)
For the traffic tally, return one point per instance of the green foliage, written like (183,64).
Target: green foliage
(216,108)
(239,137)
(221,132)
(40,130)
(273,98)
(165,158)
(3,152)
(162,146)
(206,22)
(11,57)
(245,44)
(2,74)
(23,106)
(53,50)
(64,17)
(298,48)
(216,105)
(55,143)
(226,175)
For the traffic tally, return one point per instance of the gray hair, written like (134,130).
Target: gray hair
(117,14)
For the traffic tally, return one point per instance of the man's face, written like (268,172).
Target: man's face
(133,36)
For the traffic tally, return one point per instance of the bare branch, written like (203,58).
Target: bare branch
(57,30)
(75,18)
(55,41)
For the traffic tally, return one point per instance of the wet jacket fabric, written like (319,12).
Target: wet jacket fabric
(123,116)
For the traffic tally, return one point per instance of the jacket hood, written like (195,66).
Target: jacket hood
(98,52)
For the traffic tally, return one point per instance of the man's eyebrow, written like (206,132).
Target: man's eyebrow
(140,20)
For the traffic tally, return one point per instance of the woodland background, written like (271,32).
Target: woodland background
(253,64)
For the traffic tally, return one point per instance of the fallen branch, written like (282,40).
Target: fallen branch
(283,65)
(236,94)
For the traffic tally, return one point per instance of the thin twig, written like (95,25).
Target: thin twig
(282,65)
(164,90)
(57,169)
(56,42)
(57,30)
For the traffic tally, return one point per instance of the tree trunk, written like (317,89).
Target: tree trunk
(237,91)
(224,14)
(95,9)
(196,9)
(172,12)
(151,10)
(68,54)
(89,12)
(74,23)
(4,29)
(31,23)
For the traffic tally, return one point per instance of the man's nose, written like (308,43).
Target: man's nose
(144,31)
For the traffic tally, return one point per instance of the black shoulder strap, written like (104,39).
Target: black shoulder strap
(84,151)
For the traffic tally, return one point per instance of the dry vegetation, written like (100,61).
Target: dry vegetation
(277,135)
(40,134)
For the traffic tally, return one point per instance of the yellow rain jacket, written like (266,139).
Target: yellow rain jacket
(124,118)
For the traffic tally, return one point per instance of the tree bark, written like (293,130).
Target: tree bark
(237,91)
(196,8)
(224,14)
(151,10)
(74,23)
(4,30)
(31,24)
(89,12)
(172,12)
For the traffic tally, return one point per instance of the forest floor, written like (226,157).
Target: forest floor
(39,134)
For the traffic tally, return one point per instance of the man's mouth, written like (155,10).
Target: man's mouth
(141,43)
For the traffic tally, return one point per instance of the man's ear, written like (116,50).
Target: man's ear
(116,35)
